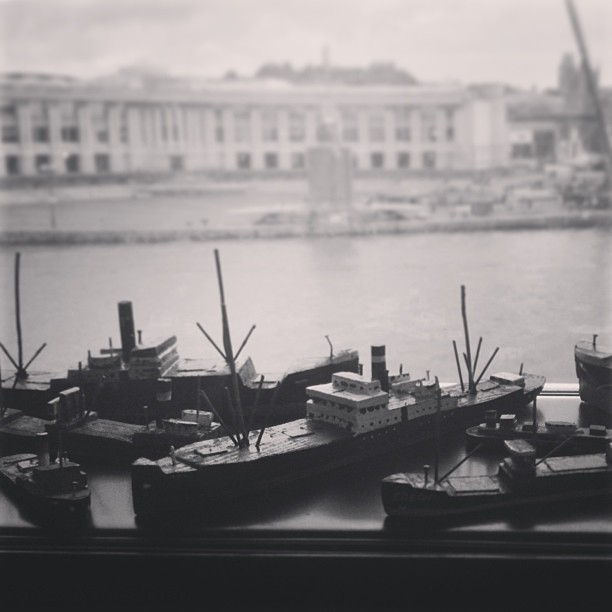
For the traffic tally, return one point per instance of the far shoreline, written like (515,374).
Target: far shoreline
(50,237)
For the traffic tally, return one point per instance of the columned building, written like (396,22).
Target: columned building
(63,126)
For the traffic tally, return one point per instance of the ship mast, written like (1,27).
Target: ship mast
(241,433)
(2,405)
(467,355)
(21,371)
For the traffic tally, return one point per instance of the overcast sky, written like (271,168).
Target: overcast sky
(515,41)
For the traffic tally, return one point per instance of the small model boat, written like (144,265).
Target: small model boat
(520,481)
(594,371)
(563,437)
(107,441)
(85,436)
(54,488)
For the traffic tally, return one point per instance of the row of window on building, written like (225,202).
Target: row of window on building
(166,126)
(43,164)
(244,161)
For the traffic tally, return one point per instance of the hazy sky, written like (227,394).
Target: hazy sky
(515,41)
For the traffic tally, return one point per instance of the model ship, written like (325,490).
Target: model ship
(53,487)
(23,387)
(521,481)
(594,371)
(85,436)
(122,381)
(562,437)
(348,420)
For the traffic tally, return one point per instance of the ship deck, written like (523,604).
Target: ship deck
(599,357)
(277,440)
(568,465)
(106,428)
(488,390)
(36,381)
(16,423)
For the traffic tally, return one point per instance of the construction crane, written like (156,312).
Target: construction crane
(592,87)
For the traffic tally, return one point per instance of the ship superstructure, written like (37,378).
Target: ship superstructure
(360,405)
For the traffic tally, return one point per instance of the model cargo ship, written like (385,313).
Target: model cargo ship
(562,437)
(85,436)
(594,371)
(88,437)
(521,481)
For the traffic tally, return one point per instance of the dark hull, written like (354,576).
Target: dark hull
(594,371)
(156,444)
(18,432)
(110,442)
(97,440)
(323,449)
(32,394)
(124,399)
(46,505)
(400,499)
(544,442)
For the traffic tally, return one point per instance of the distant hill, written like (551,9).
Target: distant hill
(378,73)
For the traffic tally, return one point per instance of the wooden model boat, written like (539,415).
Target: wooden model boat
(562,437)
(51,487)
(85,436)
(519,482)
(58,487)
(594,371)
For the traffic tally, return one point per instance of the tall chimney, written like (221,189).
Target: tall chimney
(126,326)
(379,367)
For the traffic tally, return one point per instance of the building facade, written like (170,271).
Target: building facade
(63,126)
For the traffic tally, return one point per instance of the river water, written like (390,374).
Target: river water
(533,294)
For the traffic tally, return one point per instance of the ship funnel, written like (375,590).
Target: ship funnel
(163,393)
(379,367)
(491,419)
(42,446)
(126,326)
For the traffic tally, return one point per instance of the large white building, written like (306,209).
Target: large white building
(130,124)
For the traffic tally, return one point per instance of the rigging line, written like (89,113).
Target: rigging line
(212,342)
(36,354)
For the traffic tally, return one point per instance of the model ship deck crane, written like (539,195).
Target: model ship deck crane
(241,435)
(467,355)
(21,370)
